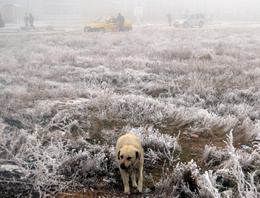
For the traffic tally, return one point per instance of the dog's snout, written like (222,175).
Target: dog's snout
(123,166)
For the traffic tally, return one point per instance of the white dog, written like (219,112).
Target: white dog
(130,159)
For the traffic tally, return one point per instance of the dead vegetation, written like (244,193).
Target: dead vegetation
(62,112)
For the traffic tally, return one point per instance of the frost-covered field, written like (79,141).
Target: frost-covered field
(67,96)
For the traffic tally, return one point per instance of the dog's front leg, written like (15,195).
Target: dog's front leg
(140,180)
(134,184)
(125,178)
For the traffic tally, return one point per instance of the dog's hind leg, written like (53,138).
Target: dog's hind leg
(125,178)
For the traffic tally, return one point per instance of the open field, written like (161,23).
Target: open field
(192,96)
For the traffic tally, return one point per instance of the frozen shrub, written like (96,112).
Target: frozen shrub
(152,138)
(212,156)
(131,108)
(234,170)
(177,54)
(207,185)
(182,181)
(220,49)
(85,167)
(37,162)
(66,57)
(239,157)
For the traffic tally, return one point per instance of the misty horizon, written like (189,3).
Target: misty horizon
(151,10)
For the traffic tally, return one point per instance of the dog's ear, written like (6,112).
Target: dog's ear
(118,155)
(138,155)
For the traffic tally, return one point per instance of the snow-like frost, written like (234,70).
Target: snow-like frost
(62,90)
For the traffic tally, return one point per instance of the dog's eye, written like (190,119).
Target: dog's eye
(122,156)
(129,158)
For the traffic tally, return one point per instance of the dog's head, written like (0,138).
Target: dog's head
(127,156)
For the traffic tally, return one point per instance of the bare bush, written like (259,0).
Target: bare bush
(36,161)
(181,182)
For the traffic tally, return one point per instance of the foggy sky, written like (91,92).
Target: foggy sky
(152,9)
(209,6)
(158,8)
